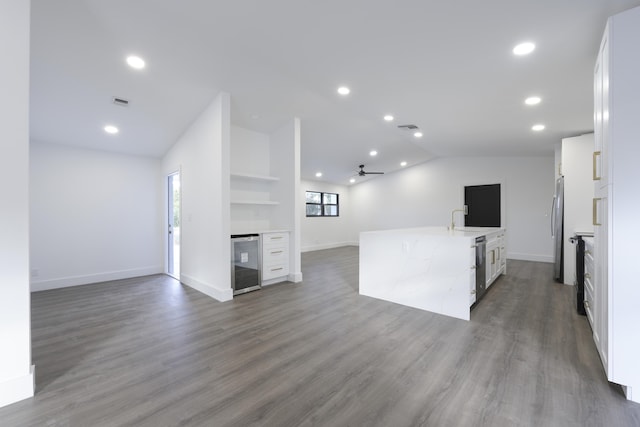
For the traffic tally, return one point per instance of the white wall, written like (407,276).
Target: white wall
(250,155)
(16,371)
(94,216)
(424,195)
(578,196)
(326,232)
(202,157)
(285,164)
(250,152)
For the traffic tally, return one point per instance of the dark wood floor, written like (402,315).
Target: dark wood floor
(151,352)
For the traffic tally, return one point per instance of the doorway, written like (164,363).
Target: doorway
(173,229)
(483,205)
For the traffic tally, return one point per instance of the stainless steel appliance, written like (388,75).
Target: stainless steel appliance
(557,215)
(579,282)
(246,263)
(481,266)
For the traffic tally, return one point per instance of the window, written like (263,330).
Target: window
(322,204)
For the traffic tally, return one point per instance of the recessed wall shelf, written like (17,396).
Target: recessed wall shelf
(254,177)
(254,202)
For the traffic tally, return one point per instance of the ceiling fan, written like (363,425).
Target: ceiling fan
(362,172)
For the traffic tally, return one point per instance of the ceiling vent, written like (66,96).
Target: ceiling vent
(408,127)
(120,101)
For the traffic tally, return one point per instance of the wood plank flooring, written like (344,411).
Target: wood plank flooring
(152,352)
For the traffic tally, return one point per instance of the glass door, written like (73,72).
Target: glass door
(173,229)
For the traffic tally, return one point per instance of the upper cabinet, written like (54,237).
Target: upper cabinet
(616,203)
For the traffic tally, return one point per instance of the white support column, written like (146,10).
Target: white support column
(16,371)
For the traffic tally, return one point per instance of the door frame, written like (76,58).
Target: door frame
(168,251)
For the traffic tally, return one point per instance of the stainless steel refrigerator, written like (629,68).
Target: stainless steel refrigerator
(557,215)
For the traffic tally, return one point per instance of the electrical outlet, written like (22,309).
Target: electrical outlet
(35,272)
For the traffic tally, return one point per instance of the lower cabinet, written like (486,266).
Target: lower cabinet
(495,261)
(496,256)
(589,274)
(472,276)
(275,257)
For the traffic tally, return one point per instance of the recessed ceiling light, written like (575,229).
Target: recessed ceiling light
(537,128)
(388,118)
(111,129)
(524,48)
(343,90)
(352,180)
(533,100)
(373,153)
(403,164)
(135,62)
(318,174)
(418,134)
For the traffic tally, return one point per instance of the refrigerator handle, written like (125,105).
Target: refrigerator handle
(553,216)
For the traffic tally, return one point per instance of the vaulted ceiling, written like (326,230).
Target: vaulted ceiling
(446,67)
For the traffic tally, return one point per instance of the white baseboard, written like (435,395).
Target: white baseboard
(64,282)
(310,248)
(530,257)
(295,277)
(17,389)
(274,281)
(214,292)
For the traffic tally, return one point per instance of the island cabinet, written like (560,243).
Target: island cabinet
(589,290)
(615,315)
(275,257)
(472,275)
(496,256)
(430,268)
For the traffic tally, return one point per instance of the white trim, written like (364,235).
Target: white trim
(65,282)
(310,248)
(18,388)
(214,292)
(165,239)
(295,277)
(270,282)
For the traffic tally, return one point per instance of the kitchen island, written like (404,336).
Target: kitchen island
(430,268)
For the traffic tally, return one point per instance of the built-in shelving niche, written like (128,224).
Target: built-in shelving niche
(247,189)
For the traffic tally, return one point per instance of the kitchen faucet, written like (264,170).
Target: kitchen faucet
(465,210)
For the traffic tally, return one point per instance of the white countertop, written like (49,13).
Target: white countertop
(442,231)
(260,231)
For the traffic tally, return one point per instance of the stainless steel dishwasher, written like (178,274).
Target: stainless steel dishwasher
(481,266)
(246,263)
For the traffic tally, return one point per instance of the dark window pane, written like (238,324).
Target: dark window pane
(313,197)
(330,199)
(313,210)
(331,210)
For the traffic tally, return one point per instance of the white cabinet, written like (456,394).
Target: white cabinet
(275,257)
(472,275)
(496,260)
(616,293)
(589,289)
